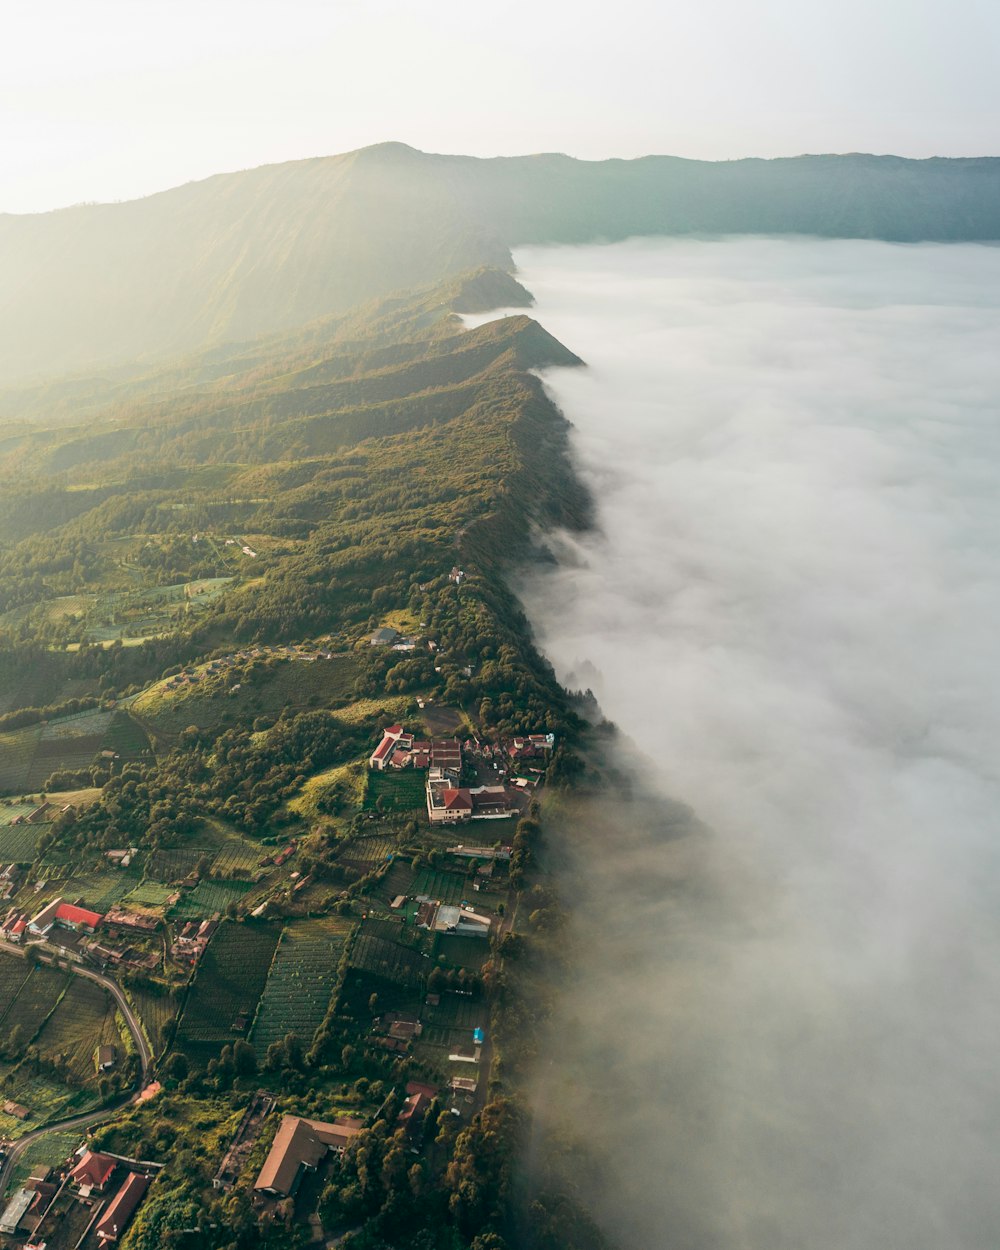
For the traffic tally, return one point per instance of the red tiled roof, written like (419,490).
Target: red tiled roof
(78,915)
(458,800)
(125,1201)
(383,748)
(19,926)
(93,1169)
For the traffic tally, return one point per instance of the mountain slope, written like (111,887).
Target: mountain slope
(269,249)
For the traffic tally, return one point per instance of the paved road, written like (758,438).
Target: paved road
(101,1113)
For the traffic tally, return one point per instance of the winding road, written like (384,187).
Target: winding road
(100,1114)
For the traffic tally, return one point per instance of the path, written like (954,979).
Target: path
(97,1116)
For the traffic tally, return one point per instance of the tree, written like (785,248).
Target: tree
(244,1058)
(176,1067)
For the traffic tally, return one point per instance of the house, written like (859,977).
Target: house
(447,804)
(456,575)
(41,923)
(380,757)
(463,1084)
(66,915)
(461,921)
(92,1173)
(418,1100)
(107,1056)
(299,1146)
(122,1207)
(383,637)
(16,1110)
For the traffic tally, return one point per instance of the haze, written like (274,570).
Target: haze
(113,100)
(791,611)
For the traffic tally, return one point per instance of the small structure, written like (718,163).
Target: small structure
(383,637)
(16,1110)
(16,1210)
(107,1057)
(299,1146)
(380,757)
(122,1207)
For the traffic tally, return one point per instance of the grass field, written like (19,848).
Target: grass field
(274,685)
(446,887)
(47,1099)
(49,1151)
(84,1020)
(401,791)
(229,983)
(331,790)
(303,977)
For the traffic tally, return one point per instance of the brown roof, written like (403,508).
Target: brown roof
(457,801)
(93,1170)
(115,1219)
(301,1143)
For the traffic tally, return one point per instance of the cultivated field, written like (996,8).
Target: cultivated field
(209,898)
(84,1020)
(35,1000)
(228,985)
(47,1100)
(303,977)
(28,756)
(401,791)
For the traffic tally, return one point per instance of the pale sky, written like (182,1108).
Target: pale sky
(112,99)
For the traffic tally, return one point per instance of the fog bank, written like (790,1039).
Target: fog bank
(787,1037)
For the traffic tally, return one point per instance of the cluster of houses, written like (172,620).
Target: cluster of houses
(108,1185)
(53,916)
(191,940)
(74,928)
(44,813)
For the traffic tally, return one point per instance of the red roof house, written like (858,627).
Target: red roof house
(77,917)
(122,1206)
(93,1172)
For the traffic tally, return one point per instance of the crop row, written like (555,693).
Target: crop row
(303,977)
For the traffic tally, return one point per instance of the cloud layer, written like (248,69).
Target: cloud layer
(793,608)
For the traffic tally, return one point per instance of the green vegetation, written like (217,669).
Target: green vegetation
(225,993)
(303,977)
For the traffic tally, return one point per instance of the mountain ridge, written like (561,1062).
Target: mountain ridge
(263,251)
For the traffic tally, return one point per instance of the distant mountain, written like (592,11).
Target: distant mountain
(268,250)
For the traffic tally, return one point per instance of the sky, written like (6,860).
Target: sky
(789,606)
(115,99)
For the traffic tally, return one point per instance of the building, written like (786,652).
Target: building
(300,1146)
(16,1110)
(383,637)
(122,1207)
(418,1100)
(447,804)
(461,921)
(67,916)
(107,1056)
(380,757)
(16,1210)
(92,1173)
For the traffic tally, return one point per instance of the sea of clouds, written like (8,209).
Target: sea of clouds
(786,1034)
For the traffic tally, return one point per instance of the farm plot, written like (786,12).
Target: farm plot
(402,791)
(101,890)
(19,843)
(36,999)
(150,894)
(209,898)
(364,854)
(77,725)
(230,980)
(446,887)
(84,1020)
(17,751)
(175,863)
(13,974)
(388,961)
(155,1010)
(238,857)
(303,978)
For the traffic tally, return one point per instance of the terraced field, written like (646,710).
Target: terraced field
(49,1151)
(227,988)
(29,756)
(84,1020)
(36,998)
(155,1011)
(209,898)
(13,974)
(364,854)
(303,978)
(386,960)
(150,894)
(19,843)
